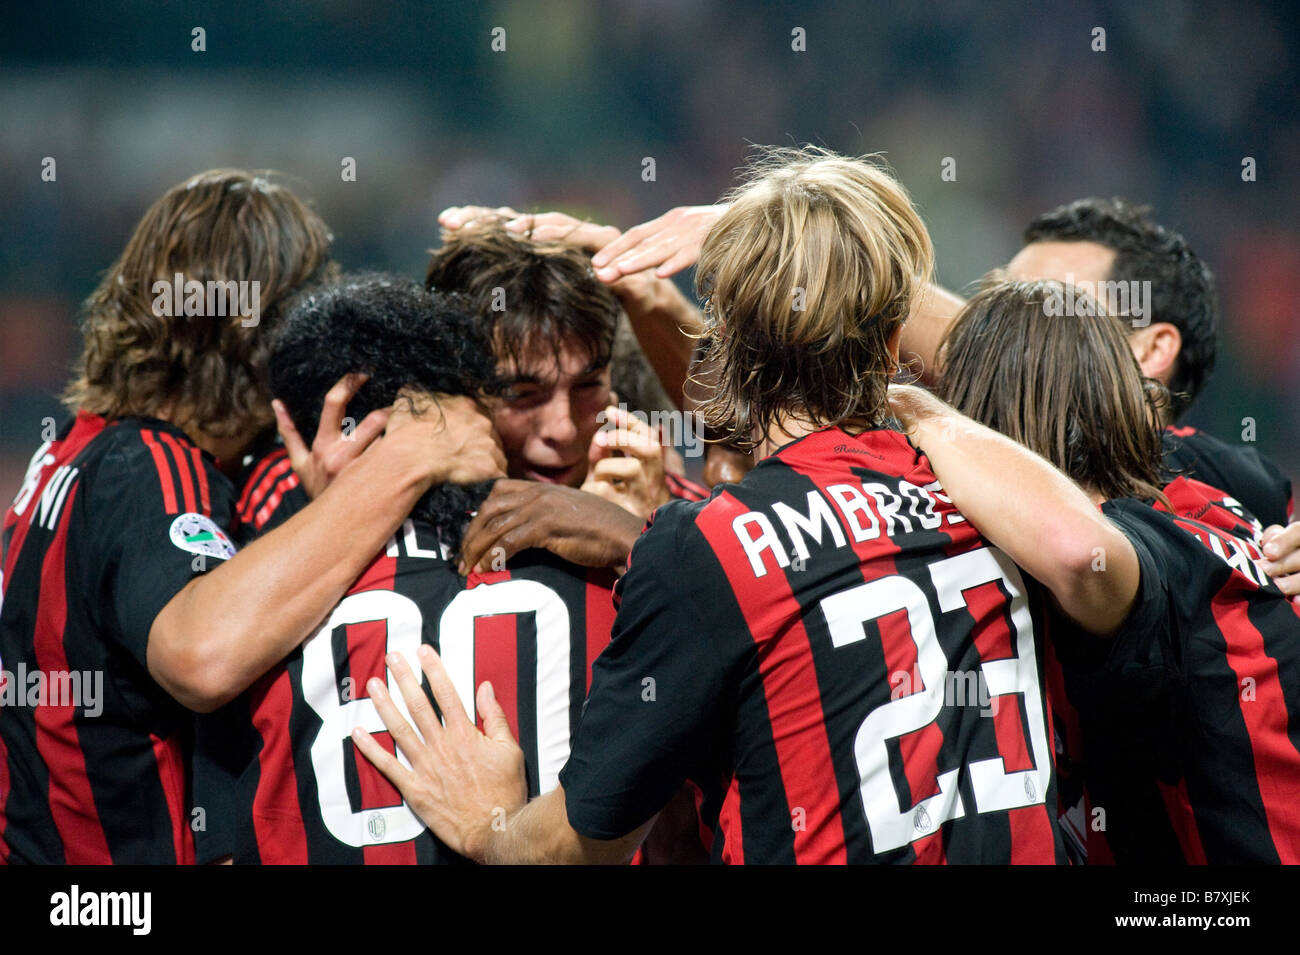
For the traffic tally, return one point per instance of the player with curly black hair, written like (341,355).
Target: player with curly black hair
(532,628)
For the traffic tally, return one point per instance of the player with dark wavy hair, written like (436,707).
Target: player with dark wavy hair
(118,563)
(530,627)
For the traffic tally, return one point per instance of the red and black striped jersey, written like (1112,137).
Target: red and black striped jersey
(684,489)
(305,794)
(270,493)
(113,520)
(1241,471)
(1188,719)
(836,654)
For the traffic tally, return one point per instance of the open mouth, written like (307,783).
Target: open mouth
(560,475)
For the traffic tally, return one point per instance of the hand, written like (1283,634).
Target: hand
(564,229)
(457,217)
(638,291)
(635,482)
(1281,546)
(667,244)
(335,446)
(462,783)
(579,527)
(451,435)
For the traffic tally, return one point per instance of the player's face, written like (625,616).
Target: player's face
(548,416)
(1074,262)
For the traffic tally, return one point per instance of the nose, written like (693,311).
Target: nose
(556,424)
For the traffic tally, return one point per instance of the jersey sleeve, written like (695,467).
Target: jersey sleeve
(662,691)
(1139,643)
(162,513)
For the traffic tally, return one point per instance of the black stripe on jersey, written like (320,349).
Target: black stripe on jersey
(526,690)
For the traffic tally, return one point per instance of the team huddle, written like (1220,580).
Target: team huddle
(377,570)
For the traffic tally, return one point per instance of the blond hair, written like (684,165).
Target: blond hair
(811,269)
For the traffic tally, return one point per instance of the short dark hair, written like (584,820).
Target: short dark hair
(528,295)
(392,329)
(1183,291)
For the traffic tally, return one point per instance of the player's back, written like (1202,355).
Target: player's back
(1189,714)
(307,795)
(1236,469)
(113,519)
(873,665)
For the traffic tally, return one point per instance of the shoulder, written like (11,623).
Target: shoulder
(138,465)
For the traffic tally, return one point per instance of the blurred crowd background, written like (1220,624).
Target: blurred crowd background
(564,116)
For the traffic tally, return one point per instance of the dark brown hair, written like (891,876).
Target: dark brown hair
(532,296)
(1067,387)
(221,226)
(811,269)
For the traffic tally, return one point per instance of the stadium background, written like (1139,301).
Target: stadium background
(563,118)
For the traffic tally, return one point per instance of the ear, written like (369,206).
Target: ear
(893,341)
(1156,348)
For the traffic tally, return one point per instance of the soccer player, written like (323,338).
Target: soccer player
(809,644)
(552,324)
(1094,240)
(1085,242)
(530,631)
(1186,726)
(120,577)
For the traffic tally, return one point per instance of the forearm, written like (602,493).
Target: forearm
(228,627)
(1036,514)
(540,834)
(665,328)
(932,315)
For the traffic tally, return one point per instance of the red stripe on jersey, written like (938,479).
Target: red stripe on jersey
(72,802)
(167,753)
(1178,804)
(278,454)
(367,644)
(83,431)
(600,621)
(785,663)
(496,658)
(1266,724)
(733,846)
(164,472)
(277,817)
(684,488)
(205,502)
(375,794)
(286,483)
(182,469)
(265,486)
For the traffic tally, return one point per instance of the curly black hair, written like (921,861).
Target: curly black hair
(1183,291)
(392,329)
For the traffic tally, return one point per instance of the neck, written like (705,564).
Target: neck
(223,449)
